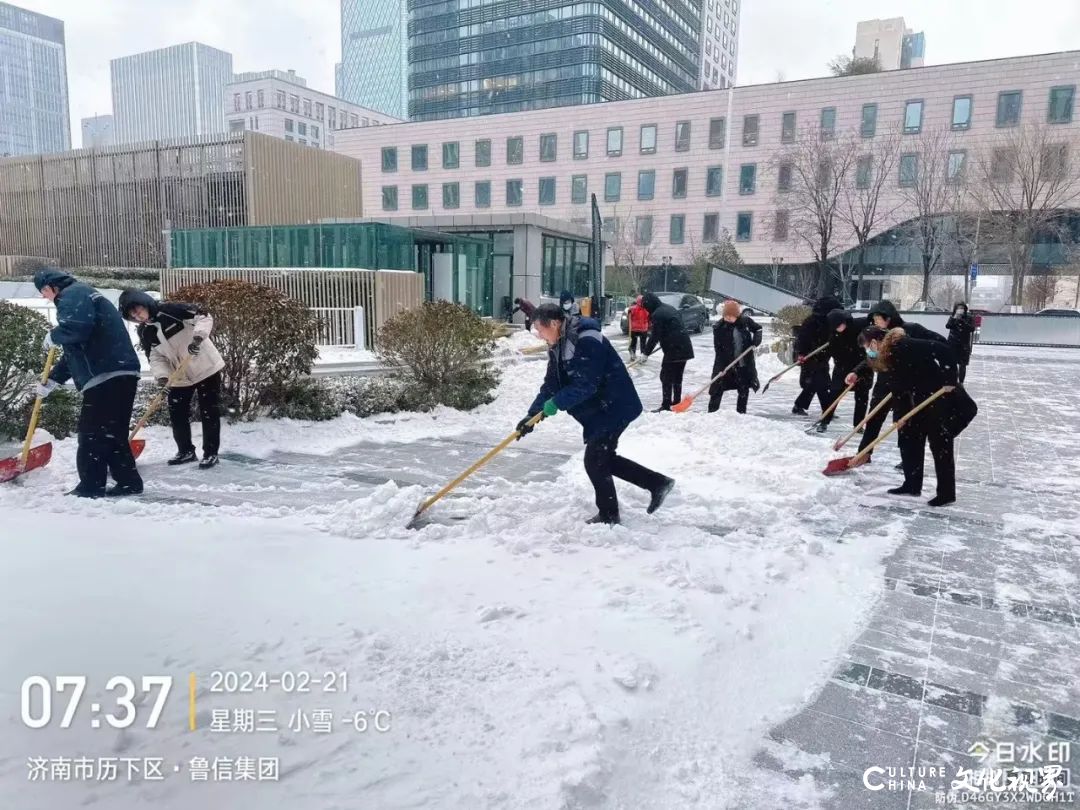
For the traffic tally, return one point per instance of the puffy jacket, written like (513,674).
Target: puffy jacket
(961,335)
(887,310)
(587,379)
(666,329)
(844,346)
(639,317)
(166,336)
(815,332)
(97,346)
(730,340)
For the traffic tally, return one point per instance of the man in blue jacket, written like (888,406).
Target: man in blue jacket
(100,359)
(587,379)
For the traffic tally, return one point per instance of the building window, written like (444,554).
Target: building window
(419,157)
(514,192)
(612,186)
(954,172)
(288,125)
(307,107)
(1061,105)
(909,170)
(961,112)
(547,191)
(419,197)
(279,100)
(750,130)
(451,155)
(1008,108)
(261,98)
(864,171)
(320,111)
(678,184)
(331,118)
(579,188)
(1001,165)
(289,138)
(294,104)
(451,195)
(648,139)
(549,147)
(643,230)
(682,136)
(248,104)
(236,125)
(646,184)
(389,198)
(236,102)
(710,229)
(678,229)
(581,144)
(868,123)
(1055,160)
(314,130)
(787,128)
(717,133)
(913,114)
(614,141)
(483,153)
(828,123)
(389,158)
(354,120)
(781,225)
(515,151)
(482,193)
(744,226)
(301,129)
(714,181)
(748,178)
(783,177)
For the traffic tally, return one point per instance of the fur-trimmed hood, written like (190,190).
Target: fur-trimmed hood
(885,359)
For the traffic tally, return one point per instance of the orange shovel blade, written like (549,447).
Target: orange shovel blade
(11,468)
(838,466)
(683,405)
(137,446)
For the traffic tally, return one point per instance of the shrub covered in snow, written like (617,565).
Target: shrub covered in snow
(266,339)
(442,349)
(789,318)
(367,396)
(21,356)
(309,399)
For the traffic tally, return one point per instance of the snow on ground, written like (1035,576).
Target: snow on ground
(345,354)
(526,660)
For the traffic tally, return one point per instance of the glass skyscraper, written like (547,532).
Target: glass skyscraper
(475,57)
(372,72)
(172,92)
(34,114)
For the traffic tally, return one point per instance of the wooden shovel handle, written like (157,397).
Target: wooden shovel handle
(727,368)
(896,426)
(155,403)
(831,408)
(884,401)
(35,414)
(820,348)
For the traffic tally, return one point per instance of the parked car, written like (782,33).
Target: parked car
(1058,312)
(925,306)
(695,316)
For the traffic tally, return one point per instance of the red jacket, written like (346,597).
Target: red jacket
(639,318)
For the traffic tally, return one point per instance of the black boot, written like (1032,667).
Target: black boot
(119,490)
(659,494)
(941,500)
(899,467)
(85,492)
(822,427)
(608,520)
(797,411)
(208,462)
(183,457)
(905,490)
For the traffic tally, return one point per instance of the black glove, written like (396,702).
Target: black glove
(195,346)
(524,428)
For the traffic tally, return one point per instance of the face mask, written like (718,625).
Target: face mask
(567,305)
(872,354)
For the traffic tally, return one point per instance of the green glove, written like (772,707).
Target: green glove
(550,408)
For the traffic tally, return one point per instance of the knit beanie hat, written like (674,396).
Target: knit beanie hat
(732,309)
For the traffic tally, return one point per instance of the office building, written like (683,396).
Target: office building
(34,115)
(471,62)
(373,70)
(719,43)
(113,207)
(174,92)
(97,132)
(281,104)
(891,42)
(672,174)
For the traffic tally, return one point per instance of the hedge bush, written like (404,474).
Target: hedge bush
(791,317)
(22,359)
(266,339)
(307,398)
(442,350)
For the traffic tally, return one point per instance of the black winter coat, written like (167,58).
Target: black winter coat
(667,330)
(815,332)
(961,336)
(844,346)
(730,340)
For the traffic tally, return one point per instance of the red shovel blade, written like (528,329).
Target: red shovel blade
(137,446)
(39,456)
(838,466)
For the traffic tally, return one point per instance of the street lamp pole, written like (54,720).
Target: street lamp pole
(667,266)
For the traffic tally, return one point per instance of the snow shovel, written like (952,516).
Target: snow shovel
(686,402)
(30,458)
(429,502)
(138,445)
(830,409)
(776,377)
(839,466)
(841,442)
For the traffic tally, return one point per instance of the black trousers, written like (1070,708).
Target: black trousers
(209,392)
(740,402)
(636,339)
(103,435)
(815,382)
(861,393)
(961,371)
(603,465)
(671,375)
(928,427)
(896,405)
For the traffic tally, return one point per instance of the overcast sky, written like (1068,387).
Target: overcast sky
(793,38)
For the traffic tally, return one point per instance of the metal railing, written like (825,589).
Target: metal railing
(336,326)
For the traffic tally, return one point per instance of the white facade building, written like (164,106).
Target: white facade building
(280,104)
(719,43)
(893,44)
(97,131)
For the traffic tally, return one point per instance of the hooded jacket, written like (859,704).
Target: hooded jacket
(587,379)
(568,297)
(961,334)
(916,330)
(666,329)
(844,346)
(166,336)
(815,332)
(97,346)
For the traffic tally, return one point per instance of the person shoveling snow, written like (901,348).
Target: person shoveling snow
(587,379)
